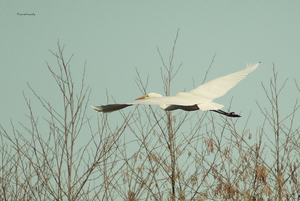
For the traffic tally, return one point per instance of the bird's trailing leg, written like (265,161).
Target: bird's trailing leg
(228,114)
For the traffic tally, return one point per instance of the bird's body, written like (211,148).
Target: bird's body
(200,98)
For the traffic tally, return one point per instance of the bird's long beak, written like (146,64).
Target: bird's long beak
(142,97)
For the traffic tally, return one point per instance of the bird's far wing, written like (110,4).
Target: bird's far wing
(110,107)
(220,86)
(166,100)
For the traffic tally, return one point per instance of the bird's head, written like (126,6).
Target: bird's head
(150,95)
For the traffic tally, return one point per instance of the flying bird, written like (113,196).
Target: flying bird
(200,98)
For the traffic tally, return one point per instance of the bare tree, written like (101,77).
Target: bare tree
(48,165)
(151,154)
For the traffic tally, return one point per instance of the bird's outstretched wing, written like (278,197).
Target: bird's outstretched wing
(220,86)
(110,107)
(203,94)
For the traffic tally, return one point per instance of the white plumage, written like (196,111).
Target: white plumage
(200,98)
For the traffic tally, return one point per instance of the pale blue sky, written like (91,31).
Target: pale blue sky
(116,37)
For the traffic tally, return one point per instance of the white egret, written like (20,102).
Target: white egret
(200,98)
